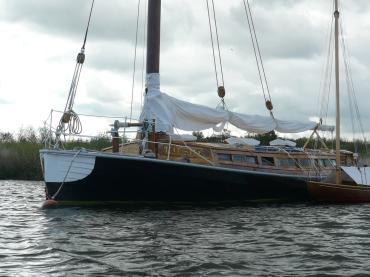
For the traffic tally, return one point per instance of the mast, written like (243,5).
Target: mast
(337,123)
(152,66)
(153,36)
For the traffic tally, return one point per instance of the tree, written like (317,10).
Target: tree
(6,137)
(27,135)
(199,135)
(264,138)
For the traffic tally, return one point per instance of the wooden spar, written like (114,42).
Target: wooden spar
(337,95)
(153,36)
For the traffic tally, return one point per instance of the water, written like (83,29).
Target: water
(260,240)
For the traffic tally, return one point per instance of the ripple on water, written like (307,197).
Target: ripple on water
(251,240)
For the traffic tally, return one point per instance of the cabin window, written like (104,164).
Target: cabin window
(267,161)
(250,159)
(329,163)
(238,158)
(286,162)
(224,157)
(245,159)
(305,162)
(319,163)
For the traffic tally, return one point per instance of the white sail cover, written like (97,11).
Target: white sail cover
(170,113)
(243,141)
(282,142)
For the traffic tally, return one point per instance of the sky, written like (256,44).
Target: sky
(41,38)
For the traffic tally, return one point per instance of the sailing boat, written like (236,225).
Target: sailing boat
(349,184)
(160,166)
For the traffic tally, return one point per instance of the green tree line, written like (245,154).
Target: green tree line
(20,160)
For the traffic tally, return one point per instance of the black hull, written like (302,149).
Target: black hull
(137,179)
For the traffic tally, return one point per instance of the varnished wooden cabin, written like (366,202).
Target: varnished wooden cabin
(273,159)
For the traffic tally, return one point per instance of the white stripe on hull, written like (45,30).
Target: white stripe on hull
(67,166)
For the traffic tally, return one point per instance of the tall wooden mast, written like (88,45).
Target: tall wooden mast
(153,36)
(337,95)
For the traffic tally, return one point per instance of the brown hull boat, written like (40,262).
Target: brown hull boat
(339,193)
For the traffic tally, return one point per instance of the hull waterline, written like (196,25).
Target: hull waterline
(120,178)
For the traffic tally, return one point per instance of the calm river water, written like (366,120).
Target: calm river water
(265,240)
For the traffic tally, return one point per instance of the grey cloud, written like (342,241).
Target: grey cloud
(100,92)
(281,32)
(111,19)
(292,36)
(112,56)
(97,108)
(103,100)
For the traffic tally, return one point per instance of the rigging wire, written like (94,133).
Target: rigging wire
(88,23)
(353,103)
(328,76)
(325,87)
(349,90)
(135,52)
(78,67)
(325,83)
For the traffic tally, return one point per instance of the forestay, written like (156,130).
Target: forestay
(170,113)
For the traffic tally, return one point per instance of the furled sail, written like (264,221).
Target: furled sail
(170,113)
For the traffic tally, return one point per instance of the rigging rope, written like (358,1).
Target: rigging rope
(212,42)
(258,57)
(218,42)
(70,121)
(219,83)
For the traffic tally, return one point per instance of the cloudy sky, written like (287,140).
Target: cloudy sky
(41,38)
